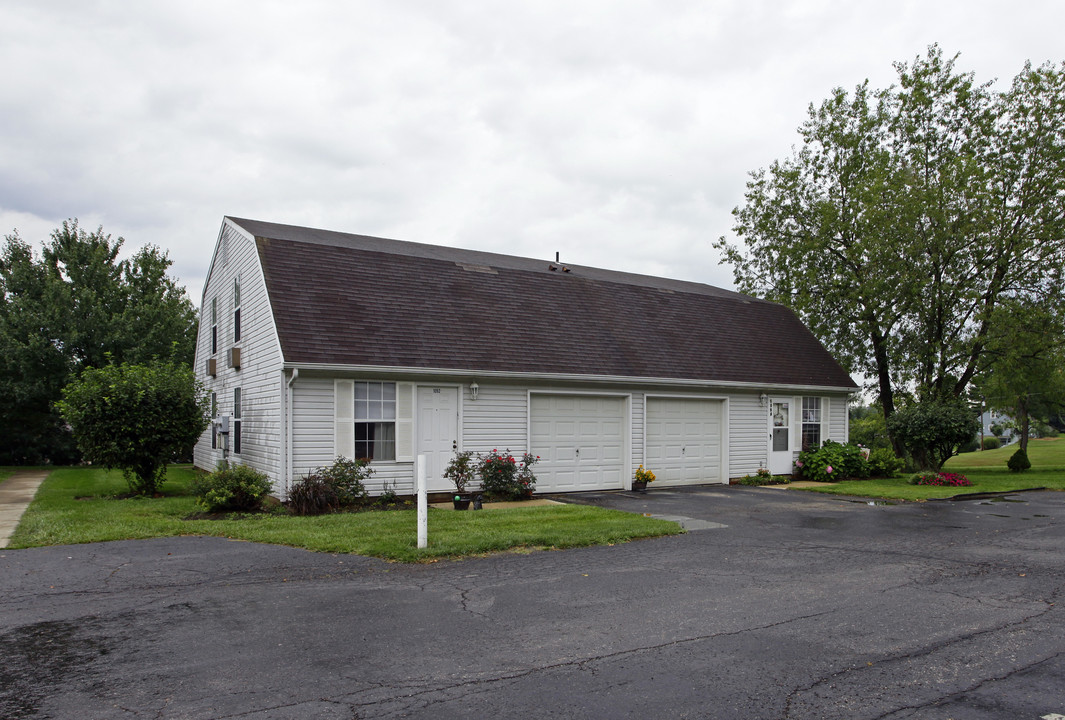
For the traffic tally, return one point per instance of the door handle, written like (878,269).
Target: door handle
(455,445)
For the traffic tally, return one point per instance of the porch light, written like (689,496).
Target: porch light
(763,399)
(474,387)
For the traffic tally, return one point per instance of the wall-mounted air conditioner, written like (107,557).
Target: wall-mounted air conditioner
(233,357)
(212,367)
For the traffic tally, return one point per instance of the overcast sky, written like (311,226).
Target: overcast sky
(618,133)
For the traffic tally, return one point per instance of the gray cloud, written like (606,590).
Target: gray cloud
(618,133)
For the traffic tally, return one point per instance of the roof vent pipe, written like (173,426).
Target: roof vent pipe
(556,256)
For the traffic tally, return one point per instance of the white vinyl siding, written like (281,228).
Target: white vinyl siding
(637,445)
(499,418)
(313,437)
(496,419)
(259,377)
(748,435)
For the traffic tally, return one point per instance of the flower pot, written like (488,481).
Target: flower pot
(461,503)
(638,486)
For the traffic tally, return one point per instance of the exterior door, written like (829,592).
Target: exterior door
(780,440)
(684,440)
(580,440)
(438,423)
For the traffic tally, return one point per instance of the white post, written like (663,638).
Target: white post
(423,505)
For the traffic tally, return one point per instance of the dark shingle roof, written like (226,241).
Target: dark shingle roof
(356,300)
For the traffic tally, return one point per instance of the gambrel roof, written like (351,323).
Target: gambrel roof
(354,300)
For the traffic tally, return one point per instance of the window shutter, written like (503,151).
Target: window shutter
(344,419)
(826,424)
(404,422)
(796,425)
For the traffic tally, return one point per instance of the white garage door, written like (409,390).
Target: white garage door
(684,440)
(580,440)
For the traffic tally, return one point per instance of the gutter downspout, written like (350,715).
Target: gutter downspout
(288,430)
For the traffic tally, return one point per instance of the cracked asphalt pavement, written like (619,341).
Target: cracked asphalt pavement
(775,604)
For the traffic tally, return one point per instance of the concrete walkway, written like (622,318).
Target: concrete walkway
(16,494)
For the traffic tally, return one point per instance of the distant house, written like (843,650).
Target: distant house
(1000,421)
(317,344)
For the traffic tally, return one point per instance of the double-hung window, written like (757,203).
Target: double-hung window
(214,414)
(811,423)
(366,419)
(236,421)
(375,420)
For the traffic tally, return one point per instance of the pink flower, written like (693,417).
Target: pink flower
(798,463)
(828,469)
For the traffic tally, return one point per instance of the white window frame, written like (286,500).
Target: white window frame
(238,411)
(349,413)
(807,419)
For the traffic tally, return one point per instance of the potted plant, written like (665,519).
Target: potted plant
(639,483)
(461,471)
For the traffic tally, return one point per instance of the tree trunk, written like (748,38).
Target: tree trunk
(1022,411)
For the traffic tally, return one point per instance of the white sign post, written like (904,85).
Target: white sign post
(423,505)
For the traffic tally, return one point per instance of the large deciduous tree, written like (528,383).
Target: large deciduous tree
(77,305)
(906,216)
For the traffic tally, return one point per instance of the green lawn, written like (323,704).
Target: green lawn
(78,505)
(1045,453)
(5,472)
(987,470)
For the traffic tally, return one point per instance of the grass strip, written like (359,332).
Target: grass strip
(987,470)
(81,505)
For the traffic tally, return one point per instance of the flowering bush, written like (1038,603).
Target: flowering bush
(503,476)
(526,477)
(644,475)
(832,462)
(941,479)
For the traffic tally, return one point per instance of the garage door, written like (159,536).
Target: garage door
(580,440)
(684,440)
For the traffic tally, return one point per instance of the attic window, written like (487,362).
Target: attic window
(471,267)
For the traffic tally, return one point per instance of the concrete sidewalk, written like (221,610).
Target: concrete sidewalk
(16,494)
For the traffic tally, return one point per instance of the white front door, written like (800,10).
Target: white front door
(438,423)
(780,440)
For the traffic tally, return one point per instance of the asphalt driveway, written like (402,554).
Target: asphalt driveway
(784,605)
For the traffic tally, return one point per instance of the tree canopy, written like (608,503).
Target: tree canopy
(75,305)
(1024,371)
(906,216)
